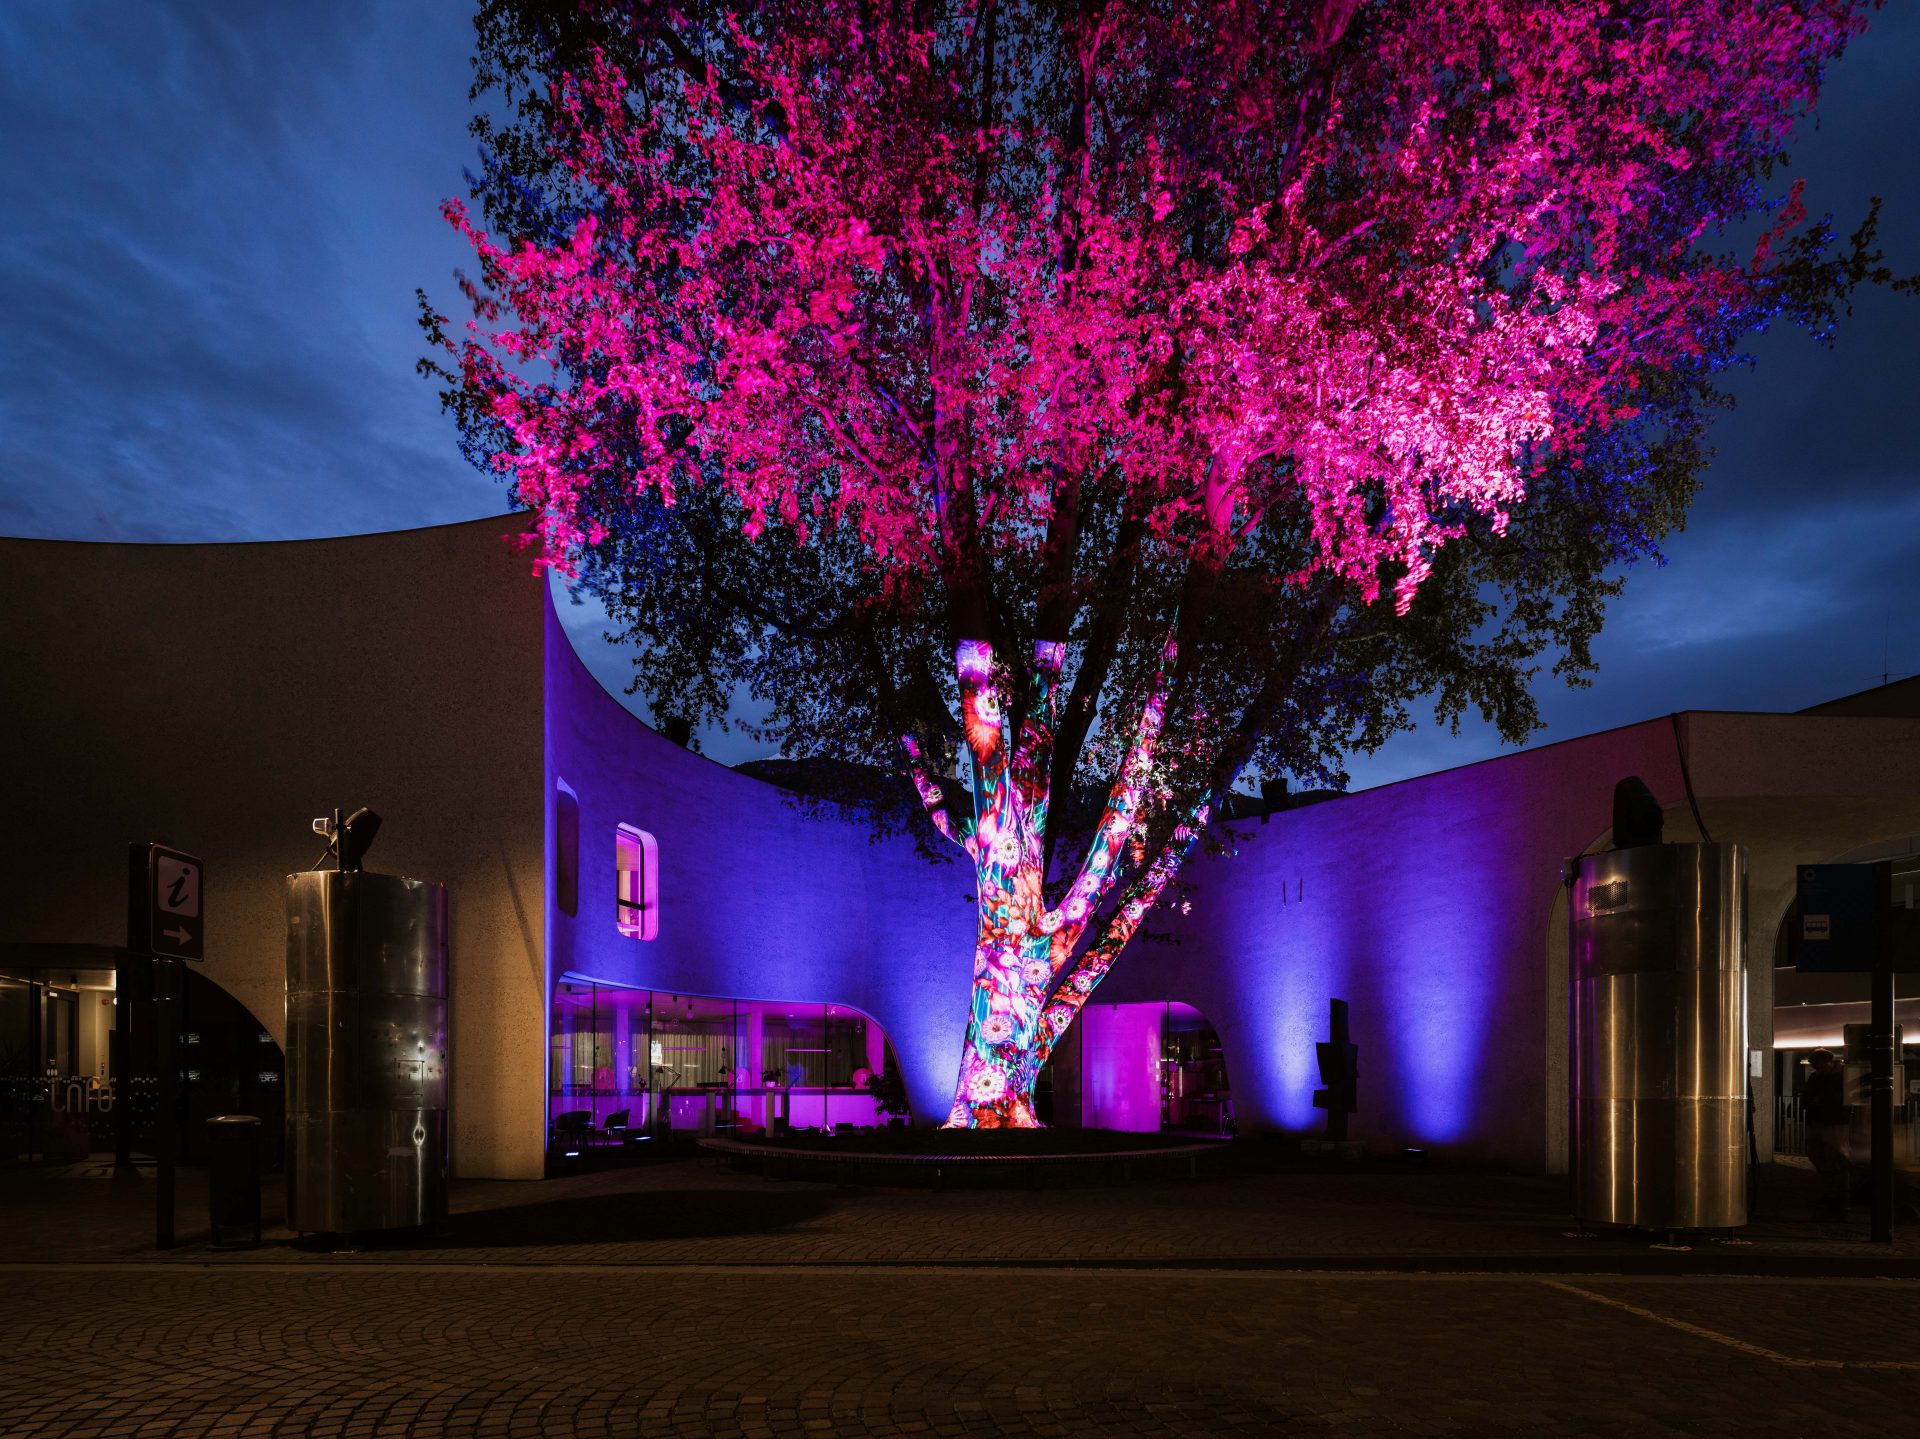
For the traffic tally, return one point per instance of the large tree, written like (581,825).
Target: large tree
(1117,396)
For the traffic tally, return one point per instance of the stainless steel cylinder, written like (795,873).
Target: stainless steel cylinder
(366,1052)
(1659,1036)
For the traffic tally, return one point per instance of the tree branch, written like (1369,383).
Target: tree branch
(931,795)
(1114,596)
(1031,767)
(1135,902)
(983,722)
(1139,896)
(1118,820)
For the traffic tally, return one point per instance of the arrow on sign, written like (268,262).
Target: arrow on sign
(178,936)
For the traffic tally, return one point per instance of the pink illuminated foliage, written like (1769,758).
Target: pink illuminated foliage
(1187,374)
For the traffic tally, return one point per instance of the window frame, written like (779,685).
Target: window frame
(637,915)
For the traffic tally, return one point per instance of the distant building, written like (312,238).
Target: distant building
(639,933)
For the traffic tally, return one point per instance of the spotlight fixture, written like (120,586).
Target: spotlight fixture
(357,837)
(349,839)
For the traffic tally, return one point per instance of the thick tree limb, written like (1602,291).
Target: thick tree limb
(1135,901)
(983,723)
(1138,898)
(1032,756)
(1112,598)
(1125,802)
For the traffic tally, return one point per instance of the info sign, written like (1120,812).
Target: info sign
(176,904)
(1838,918)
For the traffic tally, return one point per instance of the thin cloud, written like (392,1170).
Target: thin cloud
(223,214)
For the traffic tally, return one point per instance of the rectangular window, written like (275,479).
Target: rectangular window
(566,850)
(631,1068)
(811,1047)
(637,904)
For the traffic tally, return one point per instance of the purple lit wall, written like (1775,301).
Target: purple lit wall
(1431,906)
(1424,905)
(756,901)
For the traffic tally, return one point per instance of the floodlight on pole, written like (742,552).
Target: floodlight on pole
(349,839)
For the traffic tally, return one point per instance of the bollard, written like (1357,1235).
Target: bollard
(233,1179)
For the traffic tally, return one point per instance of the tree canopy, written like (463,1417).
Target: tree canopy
(1228,374)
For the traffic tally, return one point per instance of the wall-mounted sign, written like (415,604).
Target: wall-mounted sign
(1843,919)
(176,904)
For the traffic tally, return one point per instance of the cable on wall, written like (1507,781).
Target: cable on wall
(1686,778)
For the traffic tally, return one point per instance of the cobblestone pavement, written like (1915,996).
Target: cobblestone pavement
(373,1348)
(693,1211)
(683,1299)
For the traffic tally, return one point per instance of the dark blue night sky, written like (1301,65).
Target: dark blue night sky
(216,215)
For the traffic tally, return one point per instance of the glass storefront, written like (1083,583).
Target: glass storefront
(1138,1067)
(1792,1068)
(630,1069)
(77,1076)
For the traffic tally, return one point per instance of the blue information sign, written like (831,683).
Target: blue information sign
(1839,918)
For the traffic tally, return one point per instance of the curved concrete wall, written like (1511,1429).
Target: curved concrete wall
(196,694)
(217,697)
(757,901)
(1433,907)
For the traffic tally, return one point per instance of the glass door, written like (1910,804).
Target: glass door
(57,1090)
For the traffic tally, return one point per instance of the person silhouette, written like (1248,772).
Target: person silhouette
(1823,1100)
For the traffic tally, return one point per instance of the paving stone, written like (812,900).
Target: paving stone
(355,1349)
(697,1212)
(685,1300)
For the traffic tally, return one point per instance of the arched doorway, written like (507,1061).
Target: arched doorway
(1138,1068)
(1831,1011)
(78,1081)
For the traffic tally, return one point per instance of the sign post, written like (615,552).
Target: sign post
(1881,1056)
(166,923)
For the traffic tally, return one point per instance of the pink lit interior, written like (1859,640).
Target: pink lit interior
(711,1065)
(637,857)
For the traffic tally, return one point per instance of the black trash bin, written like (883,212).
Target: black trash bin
(233,1179)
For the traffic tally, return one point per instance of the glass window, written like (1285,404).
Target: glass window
(77,1068)
(637,903)
(566,850)
(577,1044)
(819,1047)
(635,1072)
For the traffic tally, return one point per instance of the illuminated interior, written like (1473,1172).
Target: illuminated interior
(1831,1011)
(78,1080)
(635,1068)
(1139,1067)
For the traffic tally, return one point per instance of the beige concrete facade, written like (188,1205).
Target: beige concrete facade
(1838,783)
(218,697)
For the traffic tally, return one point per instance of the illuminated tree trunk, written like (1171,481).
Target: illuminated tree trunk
(999,1058)
(1023,945)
